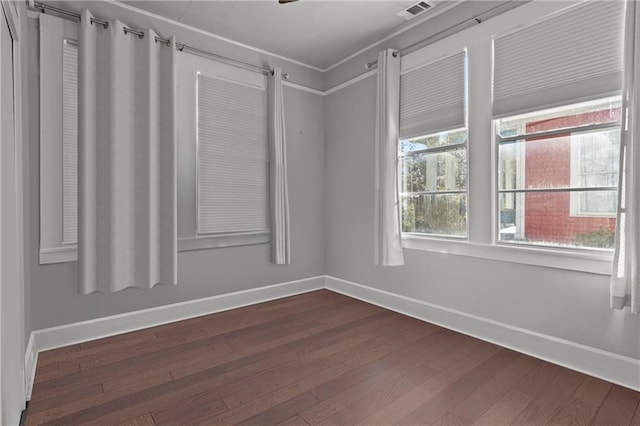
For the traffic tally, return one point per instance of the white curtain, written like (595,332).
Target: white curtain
(127,233)
(625,277)
(279,192)
(388,243)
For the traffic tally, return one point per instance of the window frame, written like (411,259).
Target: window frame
(483,200)
(437,150)
(407,67)
(574,190)
(187,68)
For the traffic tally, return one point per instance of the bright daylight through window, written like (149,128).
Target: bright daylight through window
(433,192)
(558,175)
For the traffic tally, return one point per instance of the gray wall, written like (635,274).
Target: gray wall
(53,291)
(331,159)
(568,305)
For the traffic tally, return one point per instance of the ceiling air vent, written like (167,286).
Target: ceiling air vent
(415,10)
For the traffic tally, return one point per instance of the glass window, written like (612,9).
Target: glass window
(433,183)
(558,175)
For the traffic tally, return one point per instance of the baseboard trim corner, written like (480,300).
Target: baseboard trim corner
(30,362)
(618,369)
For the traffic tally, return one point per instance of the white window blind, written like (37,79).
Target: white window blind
(231,156)
(432,97)
(70,142)
(574,55)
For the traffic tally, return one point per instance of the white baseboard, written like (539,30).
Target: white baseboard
(30,362)
(614,368)
(69,334)
(622,370)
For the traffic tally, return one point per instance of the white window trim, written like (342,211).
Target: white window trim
(188,237)
(483,220)
(591,261)
(69,253)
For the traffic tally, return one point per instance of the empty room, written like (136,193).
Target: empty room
(320,212)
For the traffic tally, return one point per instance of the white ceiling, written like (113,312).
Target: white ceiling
(315,32)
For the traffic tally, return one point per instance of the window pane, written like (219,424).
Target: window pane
(597,157)
(414,173)
(541,163)
(545,218)
(443,214)
(564,187)
(433,183)
(578,160)
(452,137)
(441,171)
(574,116)
(597,202)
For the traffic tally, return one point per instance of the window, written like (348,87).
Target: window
(222,149)
(558,167)
(70,142)
(222,154)
(231,156)
(58,140)
(433,183)
(558,175)
(433,148)
(542,93)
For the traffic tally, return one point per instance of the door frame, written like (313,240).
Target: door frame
(15,12)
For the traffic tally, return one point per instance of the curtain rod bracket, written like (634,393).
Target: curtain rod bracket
(105,24)
(369,65)
(285,76)
(132,31)
(165,41)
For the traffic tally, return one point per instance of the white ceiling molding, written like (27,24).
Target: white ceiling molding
(210,34)
(303,88)
(316,33)
(350,82)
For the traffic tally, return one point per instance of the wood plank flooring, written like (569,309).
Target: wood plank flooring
(317,358)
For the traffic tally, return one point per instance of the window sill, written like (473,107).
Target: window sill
(70,253)
(59,254)
(203,242)
(596,262)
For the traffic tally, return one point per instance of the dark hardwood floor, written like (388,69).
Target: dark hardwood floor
(317,358)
